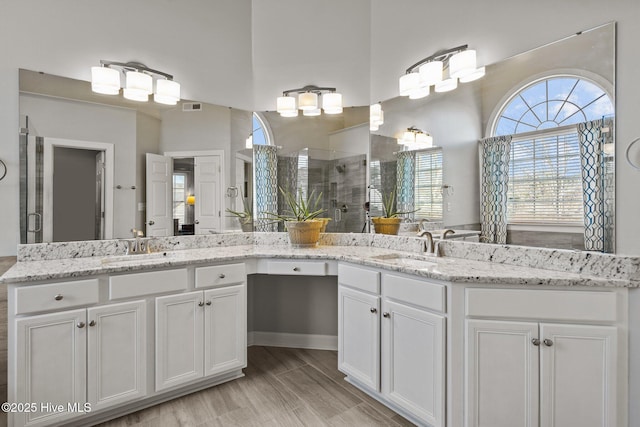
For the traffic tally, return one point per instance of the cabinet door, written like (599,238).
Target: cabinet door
(116,354)
(501,374)
(413,361)
(578,376)
(359,336)
(225,329)
(51,365)
(179,337)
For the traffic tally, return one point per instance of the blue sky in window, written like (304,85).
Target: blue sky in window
(259,137)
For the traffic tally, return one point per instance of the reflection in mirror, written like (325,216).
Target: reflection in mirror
(323,154)
(559,95)
(58,112)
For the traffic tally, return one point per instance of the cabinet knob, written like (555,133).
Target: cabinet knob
(296,269)
(222,275)
(535,341)
(385,314)
(208,302)
(80,325)
(201,304)
(373,310)
(58,297)
(547,342)
(152,222)
(92,323)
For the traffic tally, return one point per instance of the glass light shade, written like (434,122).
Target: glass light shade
(373,126)
(462,63)
(408,83)
(446,85)
(400,141)
(479,72)
(308,101)
(293,113)
(191,200)
(332,103)
(167,92)
(424,139)
(375,110)
(248,143)
(408,137)
(431,73)
(285,103)
(311,113)
(419,92)
(105,80)
(379,120)
(139,86)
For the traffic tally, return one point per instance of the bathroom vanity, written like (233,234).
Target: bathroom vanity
(449,341)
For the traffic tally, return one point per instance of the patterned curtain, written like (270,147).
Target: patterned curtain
(597,185)
(494,164)
(406,179)
(265,173)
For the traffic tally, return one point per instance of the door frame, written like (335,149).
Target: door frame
(47,197)
(223,180)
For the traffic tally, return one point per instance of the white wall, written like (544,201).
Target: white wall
(61,118)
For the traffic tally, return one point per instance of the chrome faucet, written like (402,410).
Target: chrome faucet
(428,244)
(446,232)
(138,245)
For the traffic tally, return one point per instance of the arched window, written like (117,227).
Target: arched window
(545,184)
(260,135)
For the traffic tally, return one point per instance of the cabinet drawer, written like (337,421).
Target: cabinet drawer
(217,275)
(359,278)
(542,304)
(152,282)
(56,296)
(419,293)
(300,268)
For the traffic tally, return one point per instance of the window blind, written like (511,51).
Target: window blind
(428,184)
(545,183)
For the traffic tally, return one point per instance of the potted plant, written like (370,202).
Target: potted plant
(300,218)
(245,217)
(389,223)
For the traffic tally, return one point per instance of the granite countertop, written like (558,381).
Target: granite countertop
(443,268)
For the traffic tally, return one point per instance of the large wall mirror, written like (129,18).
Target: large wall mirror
(556,105)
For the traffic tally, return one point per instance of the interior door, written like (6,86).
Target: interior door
(159,195)
(208,193)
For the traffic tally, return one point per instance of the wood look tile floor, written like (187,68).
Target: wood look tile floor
(282,387)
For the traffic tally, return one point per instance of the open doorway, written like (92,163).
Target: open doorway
(183,196)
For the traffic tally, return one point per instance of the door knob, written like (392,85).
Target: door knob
(547,342)
(373,310)
(535,341)
(221,275)
(80,325)
(201,304)
(152,222)
(208,302)
(58,297)
(197,222)
(385,314)
(92,323)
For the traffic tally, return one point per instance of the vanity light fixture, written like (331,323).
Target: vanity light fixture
(460,63)
(308,101)
(105,79)
(376,116)
(416,139)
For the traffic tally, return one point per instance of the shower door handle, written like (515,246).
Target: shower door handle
(337,215)
(38,222)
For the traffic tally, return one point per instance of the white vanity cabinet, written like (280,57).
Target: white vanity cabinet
(94,356)
(202,333)
(391,340)
(554,367)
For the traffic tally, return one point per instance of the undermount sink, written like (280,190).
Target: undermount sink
(405,260)
(137,259)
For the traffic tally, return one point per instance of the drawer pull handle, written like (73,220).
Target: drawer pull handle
(80,325)
(373,310)
(535,341)
(92,323)
(296,269)
(208,302)
(547,342)
(222,275)
(385,314)
(58,297)
(201,304)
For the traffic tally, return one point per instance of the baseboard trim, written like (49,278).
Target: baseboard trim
(282,339)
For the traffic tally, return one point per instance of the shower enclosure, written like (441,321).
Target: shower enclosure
(340,179)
